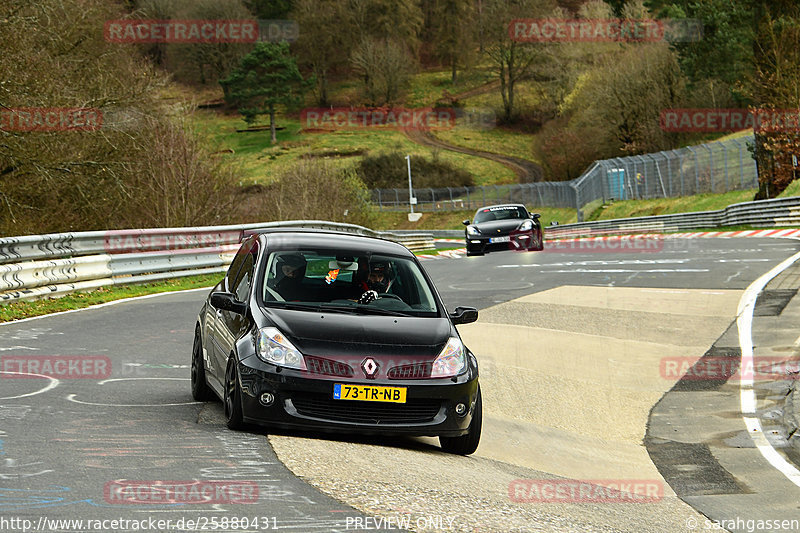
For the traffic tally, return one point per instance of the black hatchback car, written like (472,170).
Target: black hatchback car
(503,227)
(336,332)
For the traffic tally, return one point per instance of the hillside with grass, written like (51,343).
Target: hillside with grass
(188,136)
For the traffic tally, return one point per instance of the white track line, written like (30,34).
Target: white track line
(744,322)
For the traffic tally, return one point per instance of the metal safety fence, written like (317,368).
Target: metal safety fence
(715,167)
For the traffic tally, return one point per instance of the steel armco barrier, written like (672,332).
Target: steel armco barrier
(766,213)
(37,266)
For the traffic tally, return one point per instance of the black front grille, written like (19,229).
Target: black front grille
(412,412)
(318,365)
(415,371)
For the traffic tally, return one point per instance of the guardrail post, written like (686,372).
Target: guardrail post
(380,203)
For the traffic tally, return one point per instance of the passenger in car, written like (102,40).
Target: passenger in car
(293,269)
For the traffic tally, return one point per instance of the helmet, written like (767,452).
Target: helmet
(380,276)
(294,261)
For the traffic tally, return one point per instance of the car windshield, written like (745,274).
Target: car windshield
(489,214)
(324,280)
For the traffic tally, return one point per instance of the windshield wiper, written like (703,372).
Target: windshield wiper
(293,305)
(364,309)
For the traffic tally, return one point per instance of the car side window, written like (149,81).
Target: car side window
(233,270)
(241,286)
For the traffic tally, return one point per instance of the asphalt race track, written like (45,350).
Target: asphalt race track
(571,343)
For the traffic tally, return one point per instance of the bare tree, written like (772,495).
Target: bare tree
(384,67)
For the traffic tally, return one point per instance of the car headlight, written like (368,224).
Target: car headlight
(274,348)
(526,225)
(472,230)
(452,360)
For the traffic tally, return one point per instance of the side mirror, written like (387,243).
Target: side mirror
(464,315)
(535,216)
(228,302)
(465,222)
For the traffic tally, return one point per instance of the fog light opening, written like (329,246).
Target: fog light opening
(461,409)
(266,399)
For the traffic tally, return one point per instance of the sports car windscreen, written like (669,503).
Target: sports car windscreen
(499,213)
(324,280)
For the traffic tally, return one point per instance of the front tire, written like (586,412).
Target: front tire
(201,392)
(466,444)
(233,398)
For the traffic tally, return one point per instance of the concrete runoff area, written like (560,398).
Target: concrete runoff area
(567,392)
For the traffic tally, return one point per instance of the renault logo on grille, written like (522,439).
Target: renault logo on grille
(370,367)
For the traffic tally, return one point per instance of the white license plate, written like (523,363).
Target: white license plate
(500,239)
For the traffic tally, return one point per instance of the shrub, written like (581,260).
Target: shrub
(390,170)
(310,190)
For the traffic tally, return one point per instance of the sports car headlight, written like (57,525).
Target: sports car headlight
(274,348)
(527,225)
(452,360)
(472,230)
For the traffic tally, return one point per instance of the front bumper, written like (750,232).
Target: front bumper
(518,241)
(304,402)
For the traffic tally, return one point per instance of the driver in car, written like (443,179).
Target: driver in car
(378,281)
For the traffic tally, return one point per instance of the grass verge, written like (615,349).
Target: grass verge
(79,300)
(666,206)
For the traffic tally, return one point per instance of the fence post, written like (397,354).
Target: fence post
(469,203)
(696,170)
(578,212)
(669,170)
(680,169)
(725,157)
(741,163)
(710,163)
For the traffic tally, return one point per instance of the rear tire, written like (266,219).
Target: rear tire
(466,444)
(201,392)
(232,401)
